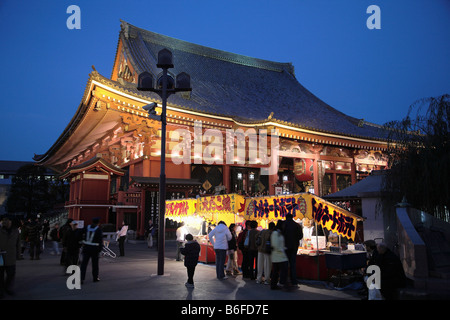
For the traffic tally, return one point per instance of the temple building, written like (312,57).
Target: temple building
(110,151)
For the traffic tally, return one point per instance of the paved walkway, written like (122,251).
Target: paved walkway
(133,277)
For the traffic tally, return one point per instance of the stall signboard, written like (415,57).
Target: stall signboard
(303,205)
(334,218)
(223,207)
(273,208)
(211,208)
(224,203)
(180,208)
(233,208)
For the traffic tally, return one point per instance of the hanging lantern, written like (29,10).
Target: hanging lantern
(303,169)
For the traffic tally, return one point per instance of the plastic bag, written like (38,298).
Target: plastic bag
(2,261)
(375,294)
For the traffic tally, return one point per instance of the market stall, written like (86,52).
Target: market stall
(202,214)
(324,224)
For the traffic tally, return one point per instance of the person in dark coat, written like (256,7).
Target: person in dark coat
(9,251)
(244,249)
(392,274)
(191,252)
(62,230)
(372,251)
(45,230)
(92,246)
(33,236)
(55,239)
(372,256)
(149,232)
(253,250)
(292,233)
(72,243)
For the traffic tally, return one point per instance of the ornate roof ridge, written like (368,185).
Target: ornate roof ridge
(131,31)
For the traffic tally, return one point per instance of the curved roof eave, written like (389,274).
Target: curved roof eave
(79,113)
(131,89)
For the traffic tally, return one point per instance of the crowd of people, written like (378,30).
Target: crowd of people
(15,239)
(268,256)
(67,241)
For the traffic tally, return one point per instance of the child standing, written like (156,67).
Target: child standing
(191,252)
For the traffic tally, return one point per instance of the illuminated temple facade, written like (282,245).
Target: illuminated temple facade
(111,150)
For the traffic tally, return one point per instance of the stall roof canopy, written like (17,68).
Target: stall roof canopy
(247,89)
(369,186)
(267,209)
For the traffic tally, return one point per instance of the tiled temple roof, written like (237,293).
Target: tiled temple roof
(241,87)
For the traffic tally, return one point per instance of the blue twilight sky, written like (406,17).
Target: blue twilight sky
(370,74)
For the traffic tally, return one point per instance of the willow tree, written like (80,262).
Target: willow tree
(419,156)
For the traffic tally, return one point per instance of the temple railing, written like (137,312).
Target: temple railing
(91,202)
(119,198)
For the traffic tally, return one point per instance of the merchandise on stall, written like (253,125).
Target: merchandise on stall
(324,224)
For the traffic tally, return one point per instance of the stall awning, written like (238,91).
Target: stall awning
(233,208)
(302,205)
(212,208)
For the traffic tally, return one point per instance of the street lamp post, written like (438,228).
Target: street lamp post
(165,86)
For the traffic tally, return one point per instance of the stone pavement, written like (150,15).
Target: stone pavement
(130,283)
(134,277)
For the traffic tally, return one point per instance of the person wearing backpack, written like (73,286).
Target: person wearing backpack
(264,261)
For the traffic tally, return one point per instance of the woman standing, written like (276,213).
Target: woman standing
(121,236)
(219,238)
(264,250)
(279,258)
(232,268)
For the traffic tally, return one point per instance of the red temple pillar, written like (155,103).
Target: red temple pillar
(226,178)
